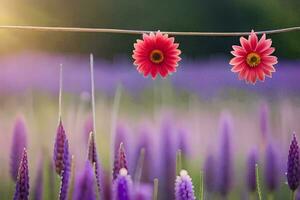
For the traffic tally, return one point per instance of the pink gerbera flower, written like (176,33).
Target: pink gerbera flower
(253,59)
(156,53)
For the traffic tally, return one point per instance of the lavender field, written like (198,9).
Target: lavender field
(201,123)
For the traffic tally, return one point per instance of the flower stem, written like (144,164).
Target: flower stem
(178,161)
(257,182)
(155,189)
(60,91)
(139,168)
(293,196)
(93,92)
(201,192)
(114,116)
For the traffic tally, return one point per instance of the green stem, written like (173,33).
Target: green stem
(293,195)
(201,192)
(257,182)
(178,162)
(270,196)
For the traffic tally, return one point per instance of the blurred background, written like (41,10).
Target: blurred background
(194,99)
(192,15)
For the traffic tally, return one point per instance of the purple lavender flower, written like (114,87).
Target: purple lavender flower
(184,189)
(264,120)
(19,142)
(122,188)
(271,169)
(251,177)
(225,156)
(22,184)
(142,192)
(209,173)
(293,165)
(38,189)
(58,155)
(65,176)
(84,189)
(120,161)
(93,158)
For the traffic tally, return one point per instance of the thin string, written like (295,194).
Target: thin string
(138,32)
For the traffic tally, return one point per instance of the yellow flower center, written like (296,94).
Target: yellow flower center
(156,56)
(253,59)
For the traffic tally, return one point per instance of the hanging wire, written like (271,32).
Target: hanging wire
(125,31)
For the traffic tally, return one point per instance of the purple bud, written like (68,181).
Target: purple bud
(65,173)
(225,157)
(142,192)
(22,184)
(58,155)
(251,176)
(264,120)
(84,189)
(38,189)
(120,161)
(19,142)
(271,168)
(184,189)
(209,173)
(93,158)
(122,188)
(293,165)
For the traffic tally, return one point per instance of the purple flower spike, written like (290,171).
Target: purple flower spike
(38,189)
(122,188)
(225,157)
(293,165)
(271,168)
(251,177)
(142,192)
(65,173)
(22,184)
(19,142)
(84,189)
(93,158)
(58,155)
(120,161)
(184,189)
(209,173)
